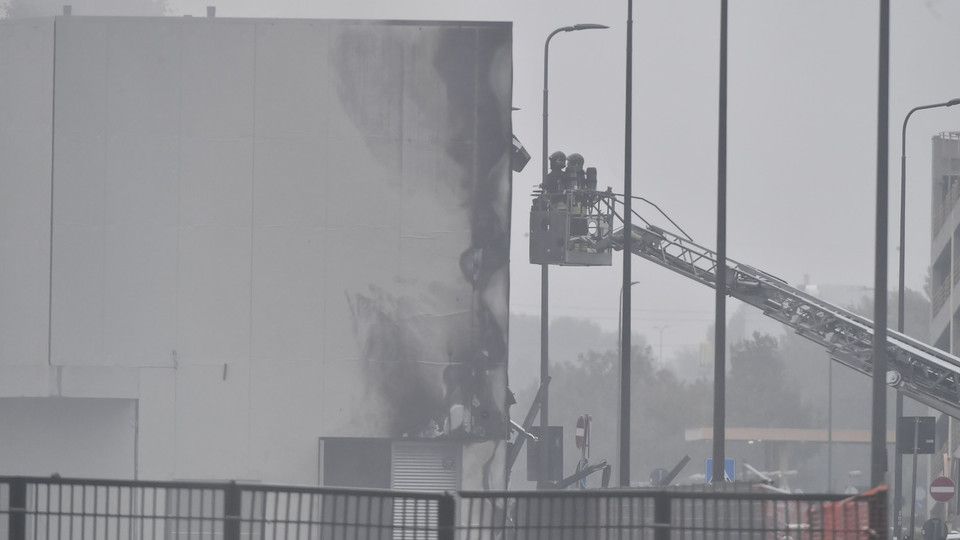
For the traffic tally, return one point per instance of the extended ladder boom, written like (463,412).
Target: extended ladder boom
(920,371)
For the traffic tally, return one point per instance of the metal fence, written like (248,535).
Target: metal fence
(48,508)
(54,508)
(678,513)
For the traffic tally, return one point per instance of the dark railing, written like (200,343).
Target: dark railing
(47,508)
(656,515)
(55,508)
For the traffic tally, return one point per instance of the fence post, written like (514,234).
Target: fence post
(231,512)
(17,524)
(446,517)
(661,516)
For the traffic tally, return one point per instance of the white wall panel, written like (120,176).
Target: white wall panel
(292,184)
(215,182)
(280,443)
(81,170)
(288,294)
(158,434)
(82,78)
(212,412)
(213,294)
(294,90)
(24,266)
(26,86)
(143,76)
(78,295)
(140,296)
(217,79)
(141,180)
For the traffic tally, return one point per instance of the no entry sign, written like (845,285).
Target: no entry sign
(942,489)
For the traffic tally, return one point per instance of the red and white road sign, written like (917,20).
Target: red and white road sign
(942,489)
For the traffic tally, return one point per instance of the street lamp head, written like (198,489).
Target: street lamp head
(952,102)
(587,27)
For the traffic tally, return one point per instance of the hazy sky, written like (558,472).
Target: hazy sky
(802,130)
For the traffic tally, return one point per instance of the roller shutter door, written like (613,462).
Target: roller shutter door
(426,467)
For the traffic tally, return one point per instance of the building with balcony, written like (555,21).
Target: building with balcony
(945,238)
(944,296)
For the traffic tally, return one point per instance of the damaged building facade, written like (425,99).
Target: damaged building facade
(255,249)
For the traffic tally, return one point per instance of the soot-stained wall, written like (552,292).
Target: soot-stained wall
(272,230)
(433,341)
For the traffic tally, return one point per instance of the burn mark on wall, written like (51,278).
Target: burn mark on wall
(398,363)
(439,377)
(480,116)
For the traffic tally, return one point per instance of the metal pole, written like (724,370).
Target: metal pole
(720,339)
(625,346)
(898,474)
(232,496)
(544,275)
(620,317)
(878,449)
(829,425)
(913,490)
(545,290)
(898,456)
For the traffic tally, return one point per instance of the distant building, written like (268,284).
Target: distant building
(945,300)
(945,242)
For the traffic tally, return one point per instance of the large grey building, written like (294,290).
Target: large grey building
(228,245)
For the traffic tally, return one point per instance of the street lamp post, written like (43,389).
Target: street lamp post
(620,321)
(898,461)
(622,459)
(623,437)
(544,275)
(720,299)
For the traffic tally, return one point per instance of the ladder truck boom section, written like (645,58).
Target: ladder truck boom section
(577,226)
(920,371)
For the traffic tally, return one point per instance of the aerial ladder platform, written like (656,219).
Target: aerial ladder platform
(921,372)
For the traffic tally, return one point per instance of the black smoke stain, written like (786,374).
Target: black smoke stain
(477,114)
(369,59)
(391,350)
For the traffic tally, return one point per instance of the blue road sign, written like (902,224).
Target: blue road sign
(729,469)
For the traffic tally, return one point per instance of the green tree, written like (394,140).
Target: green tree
(663,407)
(759,393)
